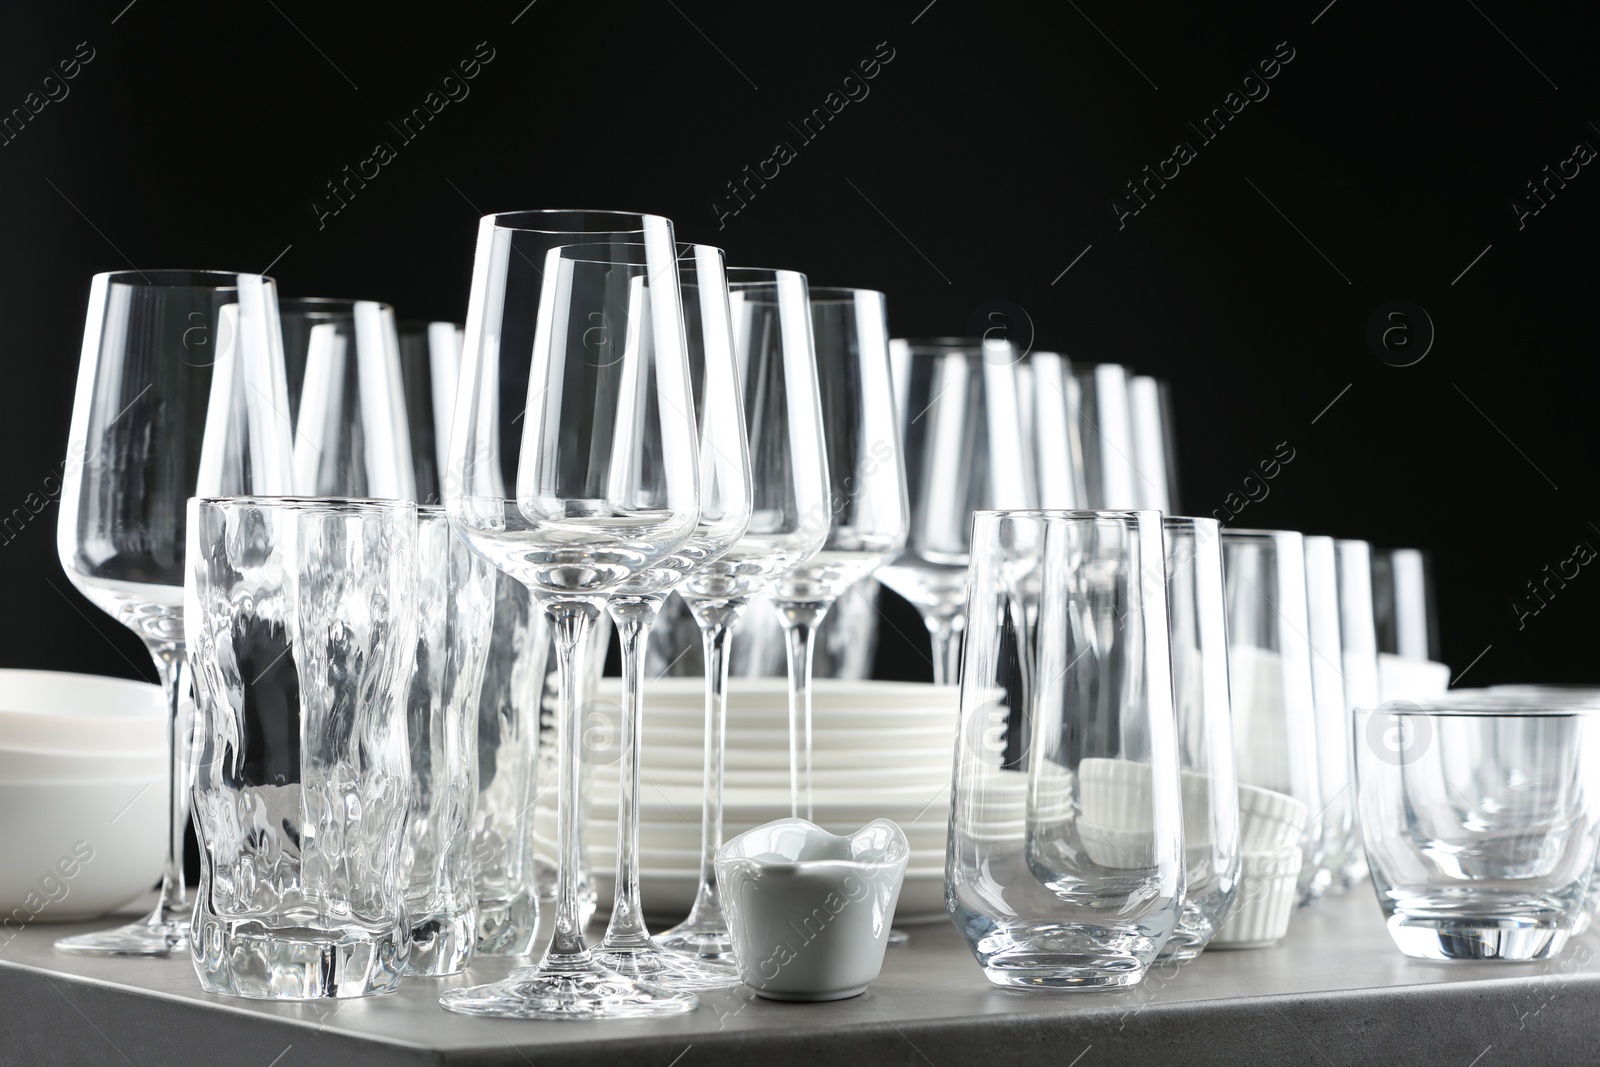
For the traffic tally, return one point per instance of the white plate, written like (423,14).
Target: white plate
(17,766)
(759,692)
(53,711)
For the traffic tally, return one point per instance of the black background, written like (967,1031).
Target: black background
(983,162)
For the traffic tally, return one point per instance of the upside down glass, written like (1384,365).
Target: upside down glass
(1481,819)
(180,391)
(1065,867)
(574,467)
(302,619)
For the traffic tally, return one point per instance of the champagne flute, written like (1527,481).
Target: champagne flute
(965,450)
(866,519)
(180,393)
(574,467)
(788,463)
(725,505)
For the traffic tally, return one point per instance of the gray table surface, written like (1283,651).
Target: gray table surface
(1336,991)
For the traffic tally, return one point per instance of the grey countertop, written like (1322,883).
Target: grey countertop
(1336,991)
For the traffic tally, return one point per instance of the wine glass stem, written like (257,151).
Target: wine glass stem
(172,666)
(633,616)
(945,633)
(571,624)
(800,620)
(716,619)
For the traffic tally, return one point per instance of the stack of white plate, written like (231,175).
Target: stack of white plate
(83,789)
(881,750)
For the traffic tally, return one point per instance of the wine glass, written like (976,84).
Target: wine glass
(346,400)
(962,437)
(430,359)
(725,504)
(866,518)
(771,329)
(180,393)
(573,467)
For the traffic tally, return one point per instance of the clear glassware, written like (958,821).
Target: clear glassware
(455,606)
(1404,605)
(302,617)
(508,763)
(574,474)
(1154,454)
(725,507)
(1066,858)
(1274,710)
(346,400)
(1481,820)
(1053,408)
(430,359)
(180,392)
(1358,641)
(1335,766)
(959,410)
(1199,630)
(771,324)
(1097,399)
(866,518)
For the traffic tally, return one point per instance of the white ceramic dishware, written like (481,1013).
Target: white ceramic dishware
(810,911)
(56,711)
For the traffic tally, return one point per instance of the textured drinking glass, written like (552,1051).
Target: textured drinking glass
(771,328)
(957,402)
(302,619)
(180,391)
(346,400)
(430,358)
(1205,731)
(1274,710)
(455,605)
(1065,867)
(725,505)
(866,519)
(574,467)
(1331,707)
(508,762)
(1358,641)
(1481,820)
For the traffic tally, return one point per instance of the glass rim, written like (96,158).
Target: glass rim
(758,276)
(286,304)
(301,502)
(1128,515)
(412,324)
(144,279)
(1192,521)
(503,220)
(1487,708)
(1256,534)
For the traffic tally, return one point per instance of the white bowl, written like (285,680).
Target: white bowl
(53,711)
(77,850)
(20,766)
(1269,821)
(1266,900)
(668,894)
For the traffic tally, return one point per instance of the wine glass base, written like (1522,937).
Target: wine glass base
(701,942)
(583,994)
(670,970)
(154,940)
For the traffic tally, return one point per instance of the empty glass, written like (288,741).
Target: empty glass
(1274,716)
(574,467)
(430,358)
(1153,442)
(1205,731)
(959,413)
(865,519)
(455,605)
(1481,820)
(1065,866)
(725,505)
(180,391)
(1332,709)
(1358,640)
(346,400)
(302,619)
(771,329)
(1408,625)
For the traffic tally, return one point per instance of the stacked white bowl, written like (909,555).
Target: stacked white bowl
(881,750)
(83,792)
